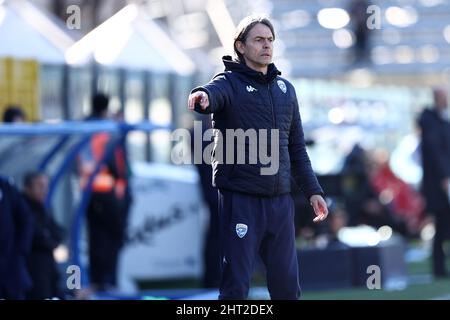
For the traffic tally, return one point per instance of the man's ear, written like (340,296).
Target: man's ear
(240,46)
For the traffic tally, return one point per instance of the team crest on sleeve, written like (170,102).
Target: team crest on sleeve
(282,86)
(241,230)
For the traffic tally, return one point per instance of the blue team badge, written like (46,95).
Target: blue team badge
(241,230)
(282,85)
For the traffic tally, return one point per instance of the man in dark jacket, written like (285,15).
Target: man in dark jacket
(47,236)
(16,230)
(256,211)
(435,147)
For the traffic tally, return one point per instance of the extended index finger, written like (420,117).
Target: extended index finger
(191,100)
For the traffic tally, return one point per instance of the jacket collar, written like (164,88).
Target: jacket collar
(234,66)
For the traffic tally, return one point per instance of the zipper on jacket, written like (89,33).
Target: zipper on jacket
(274,126)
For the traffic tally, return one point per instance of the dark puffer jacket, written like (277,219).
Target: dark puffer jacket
(435,148)
(242,98)
(16,232)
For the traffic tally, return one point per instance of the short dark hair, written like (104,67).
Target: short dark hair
(11,113)
(30,177)
(244,28)
(100,103)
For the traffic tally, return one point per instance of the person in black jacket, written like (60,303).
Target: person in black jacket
(16,231)
(211,259)
(359,17)
(253,107)
(46,237)
(435,148)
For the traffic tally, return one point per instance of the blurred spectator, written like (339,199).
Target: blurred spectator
(100,104)
(13,114)
(325,235)
(122,172)
(211,257)
(47,236)
(336,221)
(355,183)
(16,231)
(404,200)
(358,19)
(361,198)
(106,209)
(435,147)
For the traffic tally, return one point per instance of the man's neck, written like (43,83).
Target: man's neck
(260,68)
(439,109)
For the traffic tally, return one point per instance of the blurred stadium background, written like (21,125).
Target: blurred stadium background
(147,55)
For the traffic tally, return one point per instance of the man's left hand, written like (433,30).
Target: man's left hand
(320,207)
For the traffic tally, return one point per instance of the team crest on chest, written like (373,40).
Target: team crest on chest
(241,230)
(282,86)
